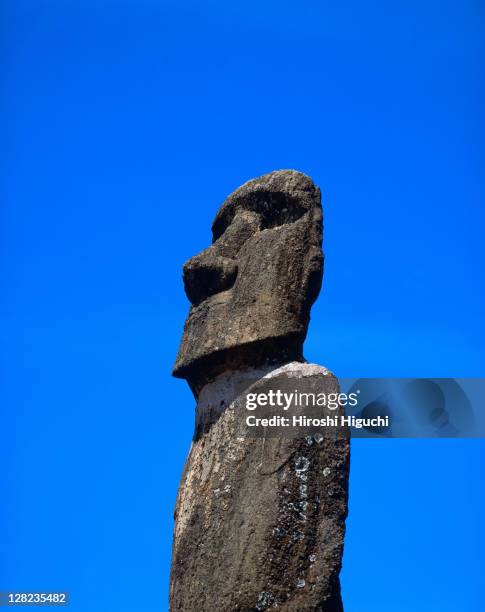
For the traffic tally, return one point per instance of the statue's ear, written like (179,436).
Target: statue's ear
(313,269)
(313,275)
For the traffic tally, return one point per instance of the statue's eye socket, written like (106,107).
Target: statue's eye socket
(278,208)
(274,209)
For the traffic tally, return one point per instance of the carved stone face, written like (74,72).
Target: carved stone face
(251,291)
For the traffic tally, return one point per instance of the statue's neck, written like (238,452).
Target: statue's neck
(221,392)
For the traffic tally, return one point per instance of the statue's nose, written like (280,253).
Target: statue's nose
(208,273)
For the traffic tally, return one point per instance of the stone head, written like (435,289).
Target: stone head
(252,289)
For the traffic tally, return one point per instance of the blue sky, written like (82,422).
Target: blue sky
(125,126)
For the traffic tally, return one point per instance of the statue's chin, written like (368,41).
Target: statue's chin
(198,370)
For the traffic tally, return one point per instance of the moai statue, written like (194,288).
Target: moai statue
(259,522)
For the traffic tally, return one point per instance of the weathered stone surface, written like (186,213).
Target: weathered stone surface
(259,522)
(252,289)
